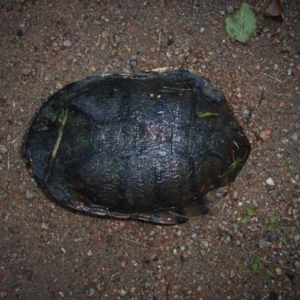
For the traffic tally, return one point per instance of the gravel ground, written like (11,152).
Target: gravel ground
(247,248)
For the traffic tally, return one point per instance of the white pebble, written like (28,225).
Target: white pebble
(3,149)
(297,237)
(67,43)
(270,181)
(294,137)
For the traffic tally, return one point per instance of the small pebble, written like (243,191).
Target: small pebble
(297,237)
(229,8)
(67,43)
(29,195)
(134,263)
(122,293)
(270,181)
(117,39)
(278,271)
(256,66)
(205,243)
(294,137)
(26,72)
(3,149)
(202,29)
(91,292)
(44,226)
(133,64)
(194,235)
(61,294)
(262,243)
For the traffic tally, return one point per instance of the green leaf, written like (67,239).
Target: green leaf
(241,24)
(256,264)
(250,212)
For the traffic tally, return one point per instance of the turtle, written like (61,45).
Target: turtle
(149,147)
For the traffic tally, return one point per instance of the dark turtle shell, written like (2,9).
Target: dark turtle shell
(137,147)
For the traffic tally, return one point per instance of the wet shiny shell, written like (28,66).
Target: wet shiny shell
(141,147)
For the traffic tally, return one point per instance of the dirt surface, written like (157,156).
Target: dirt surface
(247,248)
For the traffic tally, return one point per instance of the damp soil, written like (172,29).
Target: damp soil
(248,247)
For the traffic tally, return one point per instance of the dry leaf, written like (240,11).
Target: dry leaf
(274,10)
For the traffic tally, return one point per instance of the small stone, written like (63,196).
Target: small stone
(275,68)
(194,235)
(117,39)
(44,226)
(67,43)
(169,54)
(3,149)
(90,253)
(265,134)
(202,29)
(29,195)
(104,46)
(91,292)
(262,243)
(63,250)
(297,237)
(278,271)
(133,64)
(122,293)
(26,72)
(294,137)
(99,286)
(205,243)
(58,86)
(229,8)
(61,294)
(270,181)
(134,263)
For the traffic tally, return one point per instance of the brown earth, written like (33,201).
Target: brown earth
(247,248)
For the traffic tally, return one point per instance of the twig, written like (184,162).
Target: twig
(129,240)
(271,76)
